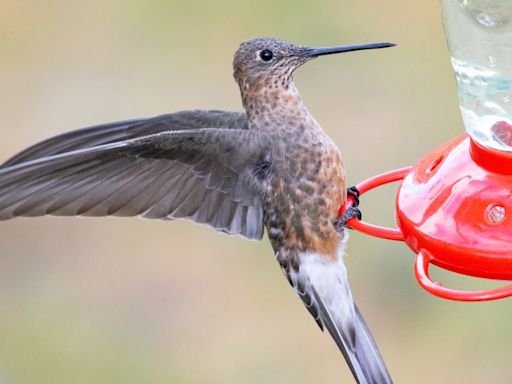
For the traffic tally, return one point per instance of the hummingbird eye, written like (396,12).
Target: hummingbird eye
(266,55)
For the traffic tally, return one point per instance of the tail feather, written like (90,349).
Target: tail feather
(368,352)
(322,284)
(362,354)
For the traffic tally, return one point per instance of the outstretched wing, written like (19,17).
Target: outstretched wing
(202,174)
(126,130)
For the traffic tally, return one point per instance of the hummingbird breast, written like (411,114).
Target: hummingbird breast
(302,174)
(304,192)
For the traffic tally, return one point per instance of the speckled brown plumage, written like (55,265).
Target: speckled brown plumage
(271,167)
(306,183)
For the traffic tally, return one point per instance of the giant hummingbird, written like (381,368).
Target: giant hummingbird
(271,167)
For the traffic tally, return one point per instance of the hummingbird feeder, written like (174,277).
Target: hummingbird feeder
(454,207)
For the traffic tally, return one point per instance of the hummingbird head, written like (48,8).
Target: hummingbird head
(269,63)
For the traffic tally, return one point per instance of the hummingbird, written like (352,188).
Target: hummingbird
(271,167)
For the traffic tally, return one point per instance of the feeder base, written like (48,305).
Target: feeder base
(456,204)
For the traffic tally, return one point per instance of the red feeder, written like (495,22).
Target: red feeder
(454,209)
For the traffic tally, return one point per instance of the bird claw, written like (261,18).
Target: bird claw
(352,212)
(349,214)
(354,192)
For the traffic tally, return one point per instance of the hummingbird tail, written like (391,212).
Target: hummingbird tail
(323,286)
(361,353)
(367,353)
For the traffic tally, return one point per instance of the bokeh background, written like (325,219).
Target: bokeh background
(138,301)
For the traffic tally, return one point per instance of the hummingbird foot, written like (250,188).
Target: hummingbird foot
(354,192)
(352,212)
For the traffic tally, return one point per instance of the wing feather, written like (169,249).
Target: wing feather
(130,129)
(202,174)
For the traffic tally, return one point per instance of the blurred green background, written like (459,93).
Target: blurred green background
(138,301)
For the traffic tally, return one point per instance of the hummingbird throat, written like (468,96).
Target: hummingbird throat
(265,103)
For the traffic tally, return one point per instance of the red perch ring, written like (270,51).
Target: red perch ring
(454,210)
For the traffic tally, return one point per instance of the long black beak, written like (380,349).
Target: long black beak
(315,52)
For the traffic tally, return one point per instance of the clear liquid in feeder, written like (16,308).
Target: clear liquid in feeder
(479,34)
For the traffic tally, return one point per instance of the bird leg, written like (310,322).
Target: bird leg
(351,212)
